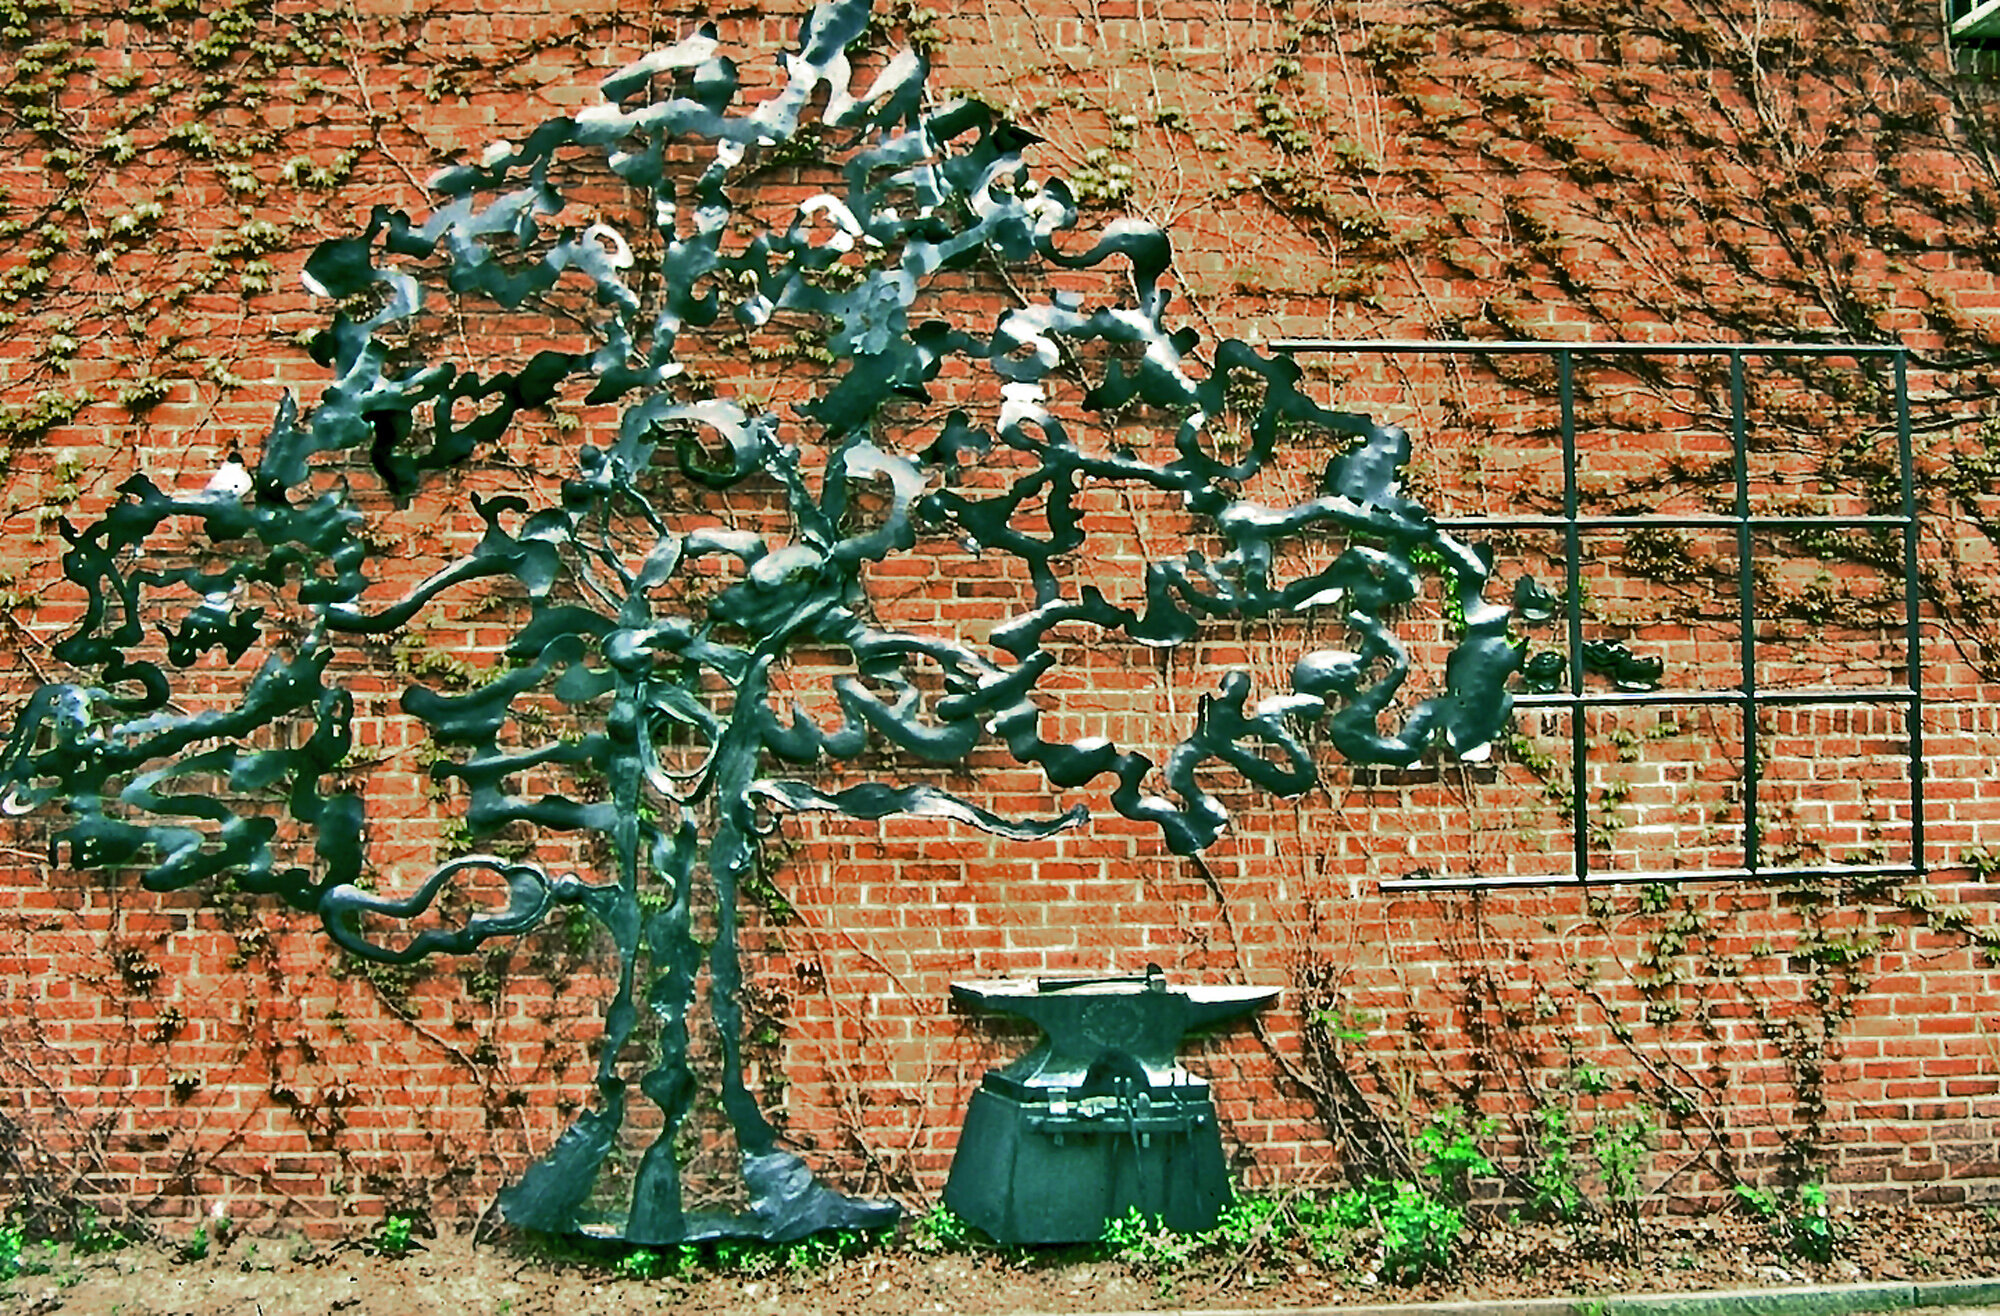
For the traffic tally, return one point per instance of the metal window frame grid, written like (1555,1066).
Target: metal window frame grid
(1749,697)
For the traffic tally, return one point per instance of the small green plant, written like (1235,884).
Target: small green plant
(1417,1233)
(207,1235)
(88,1236)
(1449,1147)
(1148,1246)
(196,1247)
(396,1236)
(940,1229)
(1813,1235)
(1621,1146)
(1799,1219)
(13,1246)
(92,1236)
(1250,1223)
(647,1263)
(1553,1193)
(822,1250)
(1322,1234)
(737,1257)
(749,1259)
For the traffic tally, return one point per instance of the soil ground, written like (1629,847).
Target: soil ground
(455,1274)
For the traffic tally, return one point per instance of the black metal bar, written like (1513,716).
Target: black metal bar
(1666,522)
(1652,877)
(1579,743)
(1912,609)
(1476,347)
(1748,696)
(1746,596)
(1830,696)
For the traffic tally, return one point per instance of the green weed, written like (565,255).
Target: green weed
(396,1237)
(1621,1145)
(92,1236)
(1250,1223)
(13,1247)
(1417,1234)
(1148,1246)
(1449,1147)
(89,1236)
(755,1258)
(1799,1219)
(941,1230)
(1553,1193)
(647,1263)
(196,1248)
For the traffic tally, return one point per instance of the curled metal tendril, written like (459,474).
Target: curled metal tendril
(931,189)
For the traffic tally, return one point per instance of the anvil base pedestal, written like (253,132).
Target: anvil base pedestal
(1031,1169)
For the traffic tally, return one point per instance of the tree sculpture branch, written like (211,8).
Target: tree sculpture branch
(612,627)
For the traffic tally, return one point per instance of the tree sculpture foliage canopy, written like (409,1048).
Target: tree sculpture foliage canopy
(609,632)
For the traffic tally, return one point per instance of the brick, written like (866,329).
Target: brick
(321,1081)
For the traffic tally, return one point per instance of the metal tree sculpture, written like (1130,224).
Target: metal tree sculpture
(926,190)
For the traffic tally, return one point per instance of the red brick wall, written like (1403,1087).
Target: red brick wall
(1526,169)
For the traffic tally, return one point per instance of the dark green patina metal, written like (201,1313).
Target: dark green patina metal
(1099,1119)
(149,785)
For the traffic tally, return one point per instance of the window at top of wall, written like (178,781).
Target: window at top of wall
(1974,28)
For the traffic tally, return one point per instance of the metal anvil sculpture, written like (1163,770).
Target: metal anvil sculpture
(1100,1117)
(656,638)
